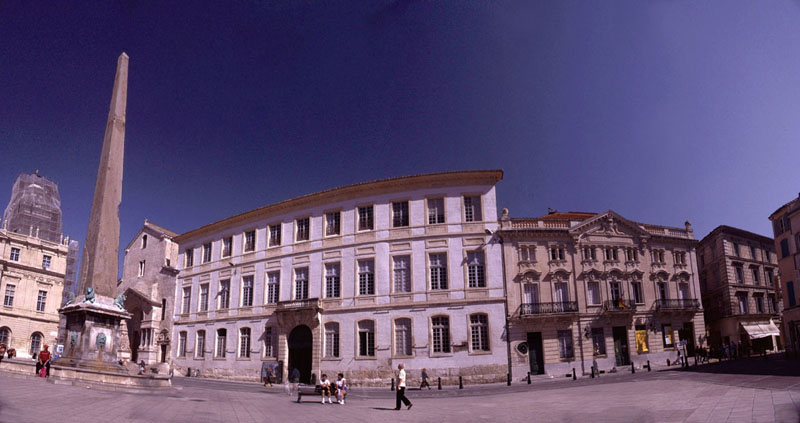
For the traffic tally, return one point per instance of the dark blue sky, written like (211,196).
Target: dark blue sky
(663,111)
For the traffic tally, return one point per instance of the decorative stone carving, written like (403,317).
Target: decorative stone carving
(101,341)
(89,298)
(120,301)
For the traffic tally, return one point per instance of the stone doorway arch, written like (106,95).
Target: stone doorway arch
(301,347)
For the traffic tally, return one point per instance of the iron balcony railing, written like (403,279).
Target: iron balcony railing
(310,303)
(683,304)
(619,305)
(534,309)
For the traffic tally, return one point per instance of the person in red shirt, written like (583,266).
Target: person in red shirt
(44,361)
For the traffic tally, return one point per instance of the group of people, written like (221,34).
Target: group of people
(733,350)
(338,388)
(5,351)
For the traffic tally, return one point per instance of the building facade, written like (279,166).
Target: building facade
(786,226)
(31,282)
(597,287)
(353,280)
(738,276)
(34,208)
(148,283)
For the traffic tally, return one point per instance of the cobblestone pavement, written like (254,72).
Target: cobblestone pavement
(714,393)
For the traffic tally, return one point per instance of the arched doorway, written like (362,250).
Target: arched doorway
(300,346)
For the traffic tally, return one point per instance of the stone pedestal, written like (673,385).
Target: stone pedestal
(93,333)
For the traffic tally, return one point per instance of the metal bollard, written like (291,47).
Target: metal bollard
(460,383)
(529,378)
(508,379)
(648,365)
(392,384)
(573,374)
(592,372)
(633,368)
(440,382)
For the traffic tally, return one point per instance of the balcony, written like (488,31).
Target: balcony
(298,305)
(619,306)
(541,309)
(678,305)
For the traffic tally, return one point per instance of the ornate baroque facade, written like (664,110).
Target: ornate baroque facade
(586,286)
(353,280)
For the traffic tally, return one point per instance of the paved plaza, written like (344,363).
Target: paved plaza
(746,391)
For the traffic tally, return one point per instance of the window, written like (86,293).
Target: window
(438,271)
(784,249)
(773,304)
(759,303)
(189,254)
(527,253)
(365,218)
(206,252)
(531,293)
(589,253)
(366,277)
(663,293)
(366,338)
(8,300)
(767,257)
(475,269)
(270,343)
(641,339)
(683,291)
(146,337)
(435,211)
(638,296)
(739,273)
(598,342)
(565,348)
(472,209)
(144,241)
(227,246)
(249,241)
(680,257)
(163,308)
(401,270)
(14,254)
(441,334)
(332,339)
(754,271)
(244,343)
(41,301)
(332,280)
(36,343)
(5,336)
(200,344)
(556,253)
(141,268)
(753,253)
(631,254)
(247,291)
(790,293)
(400,214)
(203,303)
(658,256)
(561,294)
(224,294)
(402,337)
(479,332)
(275,235)
(222,343)
(332,223)
(273,287)
(187,299)
(301,283)
(736,249)
(303,229)
(666,332)
(46,260)
(770,280)
(182,344)
(616,290)
(594,292)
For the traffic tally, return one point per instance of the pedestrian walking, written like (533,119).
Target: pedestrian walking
(341,388)
(425,380)
(401,389)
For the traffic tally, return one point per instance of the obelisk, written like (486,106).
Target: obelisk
(100,261)
(94,316)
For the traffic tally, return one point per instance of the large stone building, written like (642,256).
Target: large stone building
(597,286)
(33,262)
(148,282)
(354,280)
(738,275)
(786,226)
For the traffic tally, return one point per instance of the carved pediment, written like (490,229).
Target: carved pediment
(529,275)
(608,225)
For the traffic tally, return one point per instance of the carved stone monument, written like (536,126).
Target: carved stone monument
(93,319)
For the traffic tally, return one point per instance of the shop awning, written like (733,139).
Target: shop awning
(761,329)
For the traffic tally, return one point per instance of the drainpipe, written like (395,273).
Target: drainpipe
(575,285)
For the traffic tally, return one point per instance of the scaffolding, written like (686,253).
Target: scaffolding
(34,208)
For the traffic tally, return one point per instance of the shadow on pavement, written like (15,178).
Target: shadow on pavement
(772,365)
(383,408)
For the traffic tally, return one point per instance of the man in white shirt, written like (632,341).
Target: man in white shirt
(325,389)
(401,388)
